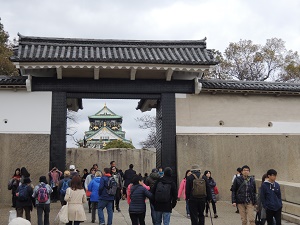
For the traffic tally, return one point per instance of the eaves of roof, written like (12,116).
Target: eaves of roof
(91,135)
(182,52)
(12,81)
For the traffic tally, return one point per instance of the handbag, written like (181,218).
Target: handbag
(216,190)
(62,215)
(12,215)
(88,193)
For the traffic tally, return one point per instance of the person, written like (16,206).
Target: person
(136,197)
(42,202)
(62,187)
(181,192)
(118,195)
(16,181)
(211,184)
(163,209)
(237,174)
(54,176)
(85,174)
(24,174)
(75,196)
(261,211)
(93,187)
(271,198)
(88,180)
(105,200)
(150,181)
(244,195)
(112,164)
(128,174)
(73,171)
(160,171)
(196,203)
(24,199)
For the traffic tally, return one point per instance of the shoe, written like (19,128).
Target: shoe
(93,221)
(188,216)
(237,211)
(216,216)
(90,210)
(206,215)
(119,210)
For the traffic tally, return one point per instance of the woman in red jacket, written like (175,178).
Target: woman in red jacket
(181,192)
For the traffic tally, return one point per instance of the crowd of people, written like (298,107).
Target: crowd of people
(106,188)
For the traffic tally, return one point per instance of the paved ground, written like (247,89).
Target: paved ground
(226,212)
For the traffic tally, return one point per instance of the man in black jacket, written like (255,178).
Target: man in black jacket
(196,205)
(128,175)
(163,209)
(244,195)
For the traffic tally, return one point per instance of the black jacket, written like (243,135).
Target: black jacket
(239,196)
(166,206)
(128,176)
(189,188)
(138,195)
(30,201)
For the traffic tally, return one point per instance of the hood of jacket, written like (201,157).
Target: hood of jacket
(154,176)
(166,180)
(97,179)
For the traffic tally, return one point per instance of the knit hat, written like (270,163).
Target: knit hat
(43,179)
(195,167)
(26,180)
(168,172)
(154,170)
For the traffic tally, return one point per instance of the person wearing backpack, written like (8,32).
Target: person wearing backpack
(244,195)
(93,187)
(165,197)
(197,192)
(62,187)
(24,199)
(41,193)
(106,197)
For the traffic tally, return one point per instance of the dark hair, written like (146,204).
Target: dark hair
(112,162)
(106,170)
(245,167)
(95,164)
(206,172)
(271,172)
(146,175)
(24,172)
(85,170)
(136,179)
(18,169)
(239,169)
(186,172)
(111,168)
(168,172)
(131,166)
(76,183)
(264,177)
(92,169)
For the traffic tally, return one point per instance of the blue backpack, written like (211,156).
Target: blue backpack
(64,187)
(23,193)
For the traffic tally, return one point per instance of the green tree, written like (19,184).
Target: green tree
(6,66)
(118,144)
(247,61)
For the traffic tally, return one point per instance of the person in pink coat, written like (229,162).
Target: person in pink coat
(181,192)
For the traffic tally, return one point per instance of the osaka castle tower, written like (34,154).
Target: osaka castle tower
(105,126)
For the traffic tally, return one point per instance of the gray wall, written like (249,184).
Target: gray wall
(222,154)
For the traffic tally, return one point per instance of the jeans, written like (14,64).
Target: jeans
(275,214)
(94,207)
(247,211)
(197,207)
(43,209)
(162,216)
(137,218)
(108,205)
(187,207)
(27,212)
(153,214)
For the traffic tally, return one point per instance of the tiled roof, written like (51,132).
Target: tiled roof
(40,49)
(12,80)
(250,86)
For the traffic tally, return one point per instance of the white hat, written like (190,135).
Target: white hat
(72,167)
(19,221)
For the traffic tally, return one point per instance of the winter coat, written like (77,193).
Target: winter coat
(166,206)
(93,188)
(75,199)
(239,196)
(151,179)
(212,184)
(138,194)
(271,196)
(181,189)
(128,191)
(128,176)
(30,200)
(103,195)
(189,188)
(88,179)
(35,193)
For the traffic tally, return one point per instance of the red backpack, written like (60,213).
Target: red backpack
(42,195)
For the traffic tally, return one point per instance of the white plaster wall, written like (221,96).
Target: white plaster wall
(25,112)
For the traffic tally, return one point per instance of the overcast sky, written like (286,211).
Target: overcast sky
(220,21)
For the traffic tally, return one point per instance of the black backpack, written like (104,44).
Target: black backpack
(162,192)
